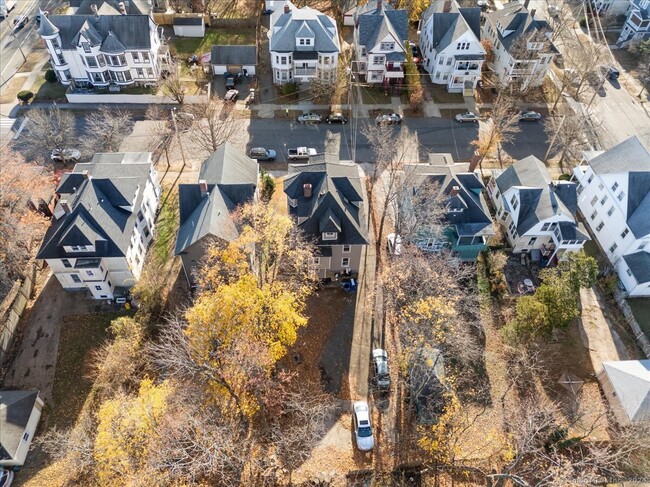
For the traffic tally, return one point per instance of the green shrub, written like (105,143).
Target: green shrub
(25,95)
(50,76)
(268,186)
(565,177)
(583,22)
(289,89)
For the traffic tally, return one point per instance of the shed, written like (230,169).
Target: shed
(19,415)
(189,26)
(626,385)
(234,59)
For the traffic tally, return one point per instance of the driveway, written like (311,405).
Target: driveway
(35,362)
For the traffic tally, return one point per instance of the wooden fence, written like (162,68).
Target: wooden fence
(168,19)
(641,338)
(16,302)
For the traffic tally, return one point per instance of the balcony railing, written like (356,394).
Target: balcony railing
(304,72)
(393,68)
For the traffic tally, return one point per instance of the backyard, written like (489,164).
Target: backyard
(186,46)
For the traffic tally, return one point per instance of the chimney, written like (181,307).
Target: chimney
(532,12)
(287,8)
(65,206)
(85,174)
(526,3)
(306,190)
(93,8)
(379,5)
(203,186)
(454,190)
(122,8)
(474,161)
(447,6)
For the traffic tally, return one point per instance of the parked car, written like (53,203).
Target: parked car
(6,477)
(20,22)
(554,10)
(301,153)
(388,119)
(262,154)
(362,427)
(394,244)
(610,72)
(230,82)
(309,118)
(231,95)
(70,155)
(529,116)
(380,363)
(467,117)
(184,120)
(483,4)
(336,118)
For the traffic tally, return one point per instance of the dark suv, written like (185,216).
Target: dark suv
(336,118)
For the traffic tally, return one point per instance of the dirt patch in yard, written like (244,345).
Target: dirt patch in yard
(32,60)
(9,96)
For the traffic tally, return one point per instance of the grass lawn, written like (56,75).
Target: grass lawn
(193,45)
(166,227)
(641,309)
(440,95)
(44,91)
(81,335)
(375,96)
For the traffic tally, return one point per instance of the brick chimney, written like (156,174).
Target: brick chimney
(306,190)
(287,8)
(85,174)
(379,5)
(65,206)
(203,186)
(532,12)
(526,3)
(447,6)
(122,8)
(454,190)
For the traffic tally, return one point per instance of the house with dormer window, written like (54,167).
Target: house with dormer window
(522,49)
(380,36)
(538,215)
(614,199)
(103,222)
(450,44)
(303,44)
(108,46)
(327,201)
(637,24)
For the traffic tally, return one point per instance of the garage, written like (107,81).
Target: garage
(233,59)
(189,26)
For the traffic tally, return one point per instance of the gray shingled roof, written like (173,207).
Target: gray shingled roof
(97,206)
(133,7)
(288,24)
(131,30)
(628,156)
(639,264)
(232,179)
(112,45)
(529,171)
(374,26)
(446,27)
(369,8)
(638,203)
(336,200)
(516,18)
(242,55)
(46,28)
(631,382)
(15,409)
(188,20)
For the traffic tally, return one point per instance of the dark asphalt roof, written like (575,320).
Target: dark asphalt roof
(336,201)
(638,203)
(283,32)
(446,27)
(133,31)
(239,55)
(188,21)
(99,210)
(140,7)
(15,409)
(639,264)
(376,26)
(232,180)
(514,17)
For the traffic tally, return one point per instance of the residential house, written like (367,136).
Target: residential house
(20,412)
(103,223)
(233,59)
(536,213)
(612,7)
(450,44)
(637,24)
(328,202)
(349,9)
(110,7)
(189,26)
(380,37)
(521,45)
(102,48)
(227,179)
(303,44)
(626,385)
(614,199)
(461,192)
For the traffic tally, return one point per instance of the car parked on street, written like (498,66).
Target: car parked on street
(610,72)
(20,22)
(67,155)
(231,95)
(262,154)
(309,118)
(483,4)
(466,117)
(554,10)
(380,367)
(388,119)
(362,427)
(529,116)
(336,118)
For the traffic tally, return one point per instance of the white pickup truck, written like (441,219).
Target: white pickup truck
(301,153)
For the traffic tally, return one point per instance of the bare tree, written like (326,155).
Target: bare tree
(172,84)
(105,130)
(501,128)
(49,129)
(214,125)
(322,91)
(568,135)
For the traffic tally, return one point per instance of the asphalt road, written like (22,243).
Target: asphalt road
(433,134)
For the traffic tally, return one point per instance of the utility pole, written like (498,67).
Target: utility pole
(178,138)
(557,132)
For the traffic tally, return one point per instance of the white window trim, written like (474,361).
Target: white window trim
(330,235)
